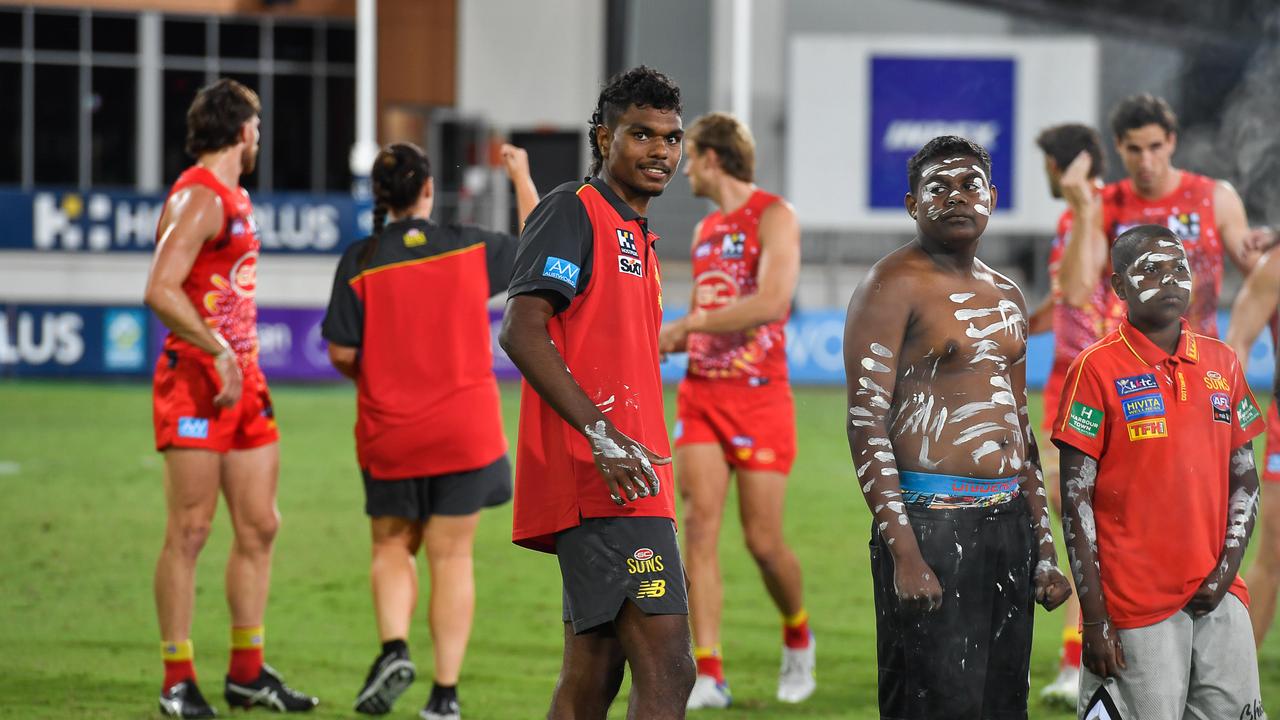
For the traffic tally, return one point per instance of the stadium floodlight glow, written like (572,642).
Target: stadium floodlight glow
(365,148)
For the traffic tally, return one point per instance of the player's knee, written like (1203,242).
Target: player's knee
(188,538)
(764,547)
(259,531)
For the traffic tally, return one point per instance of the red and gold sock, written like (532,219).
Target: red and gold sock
(246,653)
(795,630)
(1072,643)
(179,661)
(709,662)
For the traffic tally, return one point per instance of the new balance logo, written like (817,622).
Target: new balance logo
(651,589)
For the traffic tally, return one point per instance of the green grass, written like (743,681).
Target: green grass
(83,517)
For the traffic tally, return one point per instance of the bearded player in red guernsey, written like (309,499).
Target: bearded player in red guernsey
(735,413)
(213,415)
(592,476)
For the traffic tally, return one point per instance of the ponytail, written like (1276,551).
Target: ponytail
(399,172)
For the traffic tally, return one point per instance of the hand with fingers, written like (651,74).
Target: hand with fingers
(1261,239)
(1077,188)
(515,161)
(1103,653)
(230,379)
(916,585)
(1052,587)
(1211,591)
(626,465)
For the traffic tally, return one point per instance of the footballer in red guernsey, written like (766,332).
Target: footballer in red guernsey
(408,320)
(212,410)
(734,412)
(1074,164)
(593,476)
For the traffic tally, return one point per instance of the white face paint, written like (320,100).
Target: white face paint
(1146,295)
(874,365)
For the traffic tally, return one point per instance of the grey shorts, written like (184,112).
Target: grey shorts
(1184,667)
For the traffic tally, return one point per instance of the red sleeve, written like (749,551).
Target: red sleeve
(1249,422)
(1081,419)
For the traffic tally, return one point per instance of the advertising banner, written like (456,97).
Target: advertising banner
(58,221)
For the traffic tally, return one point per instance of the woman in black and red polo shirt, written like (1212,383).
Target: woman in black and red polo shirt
(408,321)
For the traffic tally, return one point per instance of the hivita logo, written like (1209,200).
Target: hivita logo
(37,338)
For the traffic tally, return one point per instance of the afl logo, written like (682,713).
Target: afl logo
(244,274)
(642,554)
(715,289)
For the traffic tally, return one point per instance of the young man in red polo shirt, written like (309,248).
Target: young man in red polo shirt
(593,480)
(1160,495)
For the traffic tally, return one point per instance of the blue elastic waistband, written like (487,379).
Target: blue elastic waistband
(930,483)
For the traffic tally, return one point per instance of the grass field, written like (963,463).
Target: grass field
(83,520)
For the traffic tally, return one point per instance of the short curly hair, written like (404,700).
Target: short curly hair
(945,146)
(1142,110)
(640,86)
(217,114)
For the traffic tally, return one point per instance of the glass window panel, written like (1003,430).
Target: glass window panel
(341,132)
(115,33)
(341,44)
(113,152)
(295,42)
(180,88)
(184,37)
(57,128)
(11,128)
(10,28)
(291,141)
(238,40)
(57,31)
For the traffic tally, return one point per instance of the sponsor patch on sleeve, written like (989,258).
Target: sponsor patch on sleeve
(1143,406)
(1247,412)
(1084,419)
(562,270)
(1135,384)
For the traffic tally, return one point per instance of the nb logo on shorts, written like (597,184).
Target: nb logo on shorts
(651,589)
(193,427)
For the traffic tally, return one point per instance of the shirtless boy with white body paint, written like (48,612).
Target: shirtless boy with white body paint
(935,350)
(1160,495)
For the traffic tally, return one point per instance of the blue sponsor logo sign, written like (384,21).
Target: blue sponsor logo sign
(124,339)
(50,220)
(1142,406)
(915,99)
(193,427)
(562,270)
(1134,384)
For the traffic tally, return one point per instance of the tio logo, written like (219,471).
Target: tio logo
(58,339)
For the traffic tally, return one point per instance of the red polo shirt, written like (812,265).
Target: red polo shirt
(1162,428)
(594,255)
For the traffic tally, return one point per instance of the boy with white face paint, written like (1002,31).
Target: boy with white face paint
(935,349)
(1159,499)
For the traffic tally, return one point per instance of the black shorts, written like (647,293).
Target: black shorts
(971,658)
(460,493)
(607,561)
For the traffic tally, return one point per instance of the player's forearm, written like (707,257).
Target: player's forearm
(531,350)
(877,476)
(1079,473)
(1083,260)
(1242,510)
(749,312)
(177,313)
(526,197)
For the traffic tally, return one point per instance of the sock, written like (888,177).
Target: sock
(396,645)
(246,653)
(709,662)
(179,662)
(1072,643)
(443,693)
(795,630)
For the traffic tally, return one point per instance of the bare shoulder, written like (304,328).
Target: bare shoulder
(779,211)
(895,275)
(1004,284)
